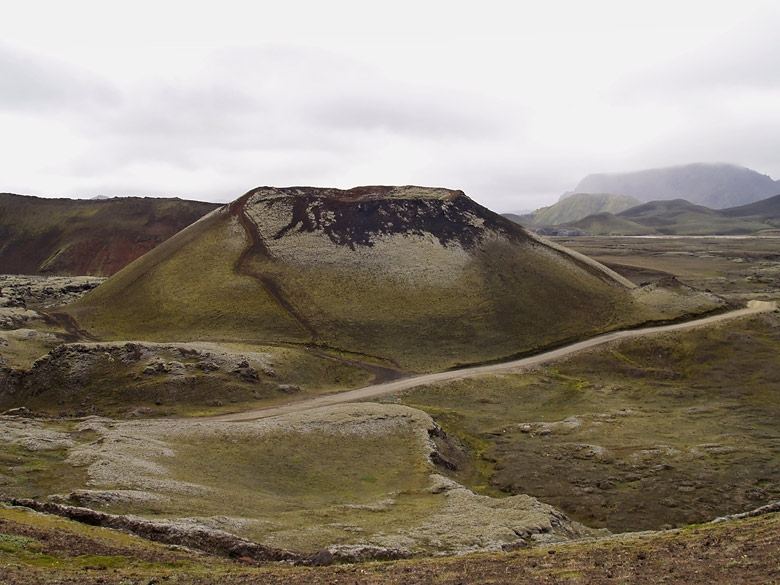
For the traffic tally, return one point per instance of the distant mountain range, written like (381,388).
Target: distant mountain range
(695,199)
(715,185)
(677,217)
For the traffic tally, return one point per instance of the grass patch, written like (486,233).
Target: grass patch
(26,473)
(653,432)
(10,543)
(302,489)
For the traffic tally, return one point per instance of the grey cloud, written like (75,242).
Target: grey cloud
(175,120)
(510,185)
(280,115)
(751,143)
(432,116)
(750,58)
(270,101)
(747,58)
(30,82)
(255,115)
(186,111)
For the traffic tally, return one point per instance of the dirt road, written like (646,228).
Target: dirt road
(375,390)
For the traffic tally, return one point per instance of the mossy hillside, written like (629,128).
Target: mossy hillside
(427,283)
(77,237)
(678,216)
(36,215)
(307,491)
(668,218)
(608,224)
(579,205)
(493,298)
(343,475)
(733,552)
(187,289)
(38,544)
(646,433)
(356,474)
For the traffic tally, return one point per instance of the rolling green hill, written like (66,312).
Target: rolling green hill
(608,224)
(680,217)
(86,236)
(766,210)
(415,277)
(573,208)
(580,205)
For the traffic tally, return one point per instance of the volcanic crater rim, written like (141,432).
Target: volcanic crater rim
(360,193)
(356,216)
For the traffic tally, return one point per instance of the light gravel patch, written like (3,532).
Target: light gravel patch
(468,522)
(132,464)
(132,455)
(18,317)
(32,435)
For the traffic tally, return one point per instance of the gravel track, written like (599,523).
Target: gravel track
(375,390)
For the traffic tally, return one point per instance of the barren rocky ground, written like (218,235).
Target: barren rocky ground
(244,478)
(27,329)
(637,434)
(648,433)
(44,291)
(47,364)
(737,268)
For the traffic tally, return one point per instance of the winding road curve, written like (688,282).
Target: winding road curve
(753,307)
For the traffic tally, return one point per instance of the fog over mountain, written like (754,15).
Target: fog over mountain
(714,185)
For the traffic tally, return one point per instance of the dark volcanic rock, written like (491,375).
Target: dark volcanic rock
(210,540)
(354,217)
(202,538)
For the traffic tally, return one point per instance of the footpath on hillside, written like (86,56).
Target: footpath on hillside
(375,390)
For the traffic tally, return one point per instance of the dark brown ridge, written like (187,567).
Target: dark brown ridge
(257,246)
(209,540)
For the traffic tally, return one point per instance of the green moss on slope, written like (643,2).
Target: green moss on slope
(188,289)
(641,434)
(427,283)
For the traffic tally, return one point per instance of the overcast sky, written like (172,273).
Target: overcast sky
(513,102)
